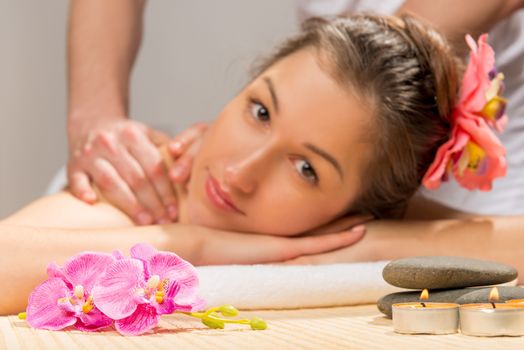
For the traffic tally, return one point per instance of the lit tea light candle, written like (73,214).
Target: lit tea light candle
(493,318)
(425,317)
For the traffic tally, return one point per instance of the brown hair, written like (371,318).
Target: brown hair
(409,73)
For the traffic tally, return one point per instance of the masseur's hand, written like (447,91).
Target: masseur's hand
(121,158)
(219,247)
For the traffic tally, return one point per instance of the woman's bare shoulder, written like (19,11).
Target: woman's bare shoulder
(64,210)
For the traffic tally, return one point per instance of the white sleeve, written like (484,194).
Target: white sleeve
(311,8)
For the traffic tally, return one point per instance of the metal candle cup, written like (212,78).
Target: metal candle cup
(492,319)
(424,317)
(485,321)
(434,318)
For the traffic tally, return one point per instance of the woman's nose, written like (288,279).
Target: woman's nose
(244,175)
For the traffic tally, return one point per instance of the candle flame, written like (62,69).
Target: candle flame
(424,295)
(494,295)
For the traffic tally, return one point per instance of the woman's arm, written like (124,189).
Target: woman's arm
(54,228)
(492,238)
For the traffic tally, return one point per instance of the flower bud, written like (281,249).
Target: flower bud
(211,323)
(258,324)
(228,310)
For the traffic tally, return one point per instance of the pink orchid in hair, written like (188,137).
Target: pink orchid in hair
(136,291)
(65,299)
(474,154)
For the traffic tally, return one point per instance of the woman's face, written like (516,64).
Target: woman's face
(284,156)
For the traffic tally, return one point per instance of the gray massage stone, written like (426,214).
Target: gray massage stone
(446,272)
(481,295)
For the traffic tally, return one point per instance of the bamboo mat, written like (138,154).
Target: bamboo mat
(357,327)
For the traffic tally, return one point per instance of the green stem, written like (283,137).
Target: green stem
(207,314)
(201,314)
(225,320)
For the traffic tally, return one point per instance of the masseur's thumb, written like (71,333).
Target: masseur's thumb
(80,187)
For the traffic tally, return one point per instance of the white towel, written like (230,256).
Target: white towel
(293,286)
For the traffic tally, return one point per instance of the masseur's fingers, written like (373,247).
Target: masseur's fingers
(80,186)
(117,192)
(132,173)
(158,138)
(181,142)
(181,170)
(183,148)
(150,159)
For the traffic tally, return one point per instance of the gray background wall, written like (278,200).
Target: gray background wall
(195,56)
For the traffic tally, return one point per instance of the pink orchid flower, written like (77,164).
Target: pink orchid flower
(474,154)
(65,299)
(136,291)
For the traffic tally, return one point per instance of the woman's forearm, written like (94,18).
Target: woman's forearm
(492,238)
(498,239)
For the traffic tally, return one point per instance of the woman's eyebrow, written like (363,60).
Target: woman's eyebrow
(310,146)
(327,157)
(271,88)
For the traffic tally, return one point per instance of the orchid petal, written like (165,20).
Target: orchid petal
(143,251)
(493,164)
(54,270)
(437,170)
(66,306)
(167,307)
(494,167)
(43,310)
(480,132)
(117,254)
(194,305)
(115,292)
(143,319)
(476,78)
(501,123)
(190,302)
(173,268)
(168,304)
(92,321)
(84,269)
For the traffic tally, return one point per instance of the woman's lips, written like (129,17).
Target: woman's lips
(218,197)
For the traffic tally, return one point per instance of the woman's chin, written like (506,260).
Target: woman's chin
(199,214)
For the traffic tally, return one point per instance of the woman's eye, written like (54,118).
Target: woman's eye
(306,171)
(259,112)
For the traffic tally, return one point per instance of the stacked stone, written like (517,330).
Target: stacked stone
(448,279)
